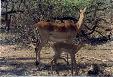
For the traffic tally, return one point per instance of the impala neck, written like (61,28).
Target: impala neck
(80,21)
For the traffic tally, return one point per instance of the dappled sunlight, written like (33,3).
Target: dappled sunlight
(56,38)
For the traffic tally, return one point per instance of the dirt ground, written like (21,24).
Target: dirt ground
(20,61)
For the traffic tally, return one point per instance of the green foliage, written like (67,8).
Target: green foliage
(65,7)
(77,3)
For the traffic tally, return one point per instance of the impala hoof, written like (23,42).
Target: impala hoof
(37,63)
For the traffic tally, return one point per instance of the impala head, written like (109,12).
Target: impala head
(82,11)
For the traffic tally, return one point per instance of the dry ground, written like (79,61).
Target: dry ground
(18,60)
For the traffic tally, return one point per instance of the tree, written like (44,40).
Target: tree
(23,14)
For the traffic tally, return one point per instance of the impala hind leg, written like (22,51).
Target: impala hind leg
(55,58)
(54,61)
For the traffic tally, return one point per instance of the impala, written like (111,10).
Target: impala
(53,31)
(72,49)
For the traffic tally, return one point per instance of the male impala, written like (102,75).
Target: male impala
(52,31)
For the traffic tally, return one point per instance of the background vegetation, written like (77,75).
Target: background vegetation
(20,15)
(17,56)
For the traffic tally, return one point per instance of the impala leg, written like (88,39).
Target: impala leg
(75,66)
(67,57)
(64,60)
(37,50)
(54,61)
(73,63)
(57,53)
(55,57)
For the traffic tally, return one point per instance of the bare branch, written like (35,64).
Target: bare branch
(10,12)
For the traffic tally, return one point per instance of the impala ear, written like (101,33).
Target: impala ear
(83,10)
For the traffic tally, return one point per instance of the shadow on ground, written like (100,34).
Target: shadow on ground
(15,67)
(12,67)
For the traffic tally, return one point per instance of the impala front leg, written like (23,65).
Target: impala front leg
(73,64)
(37,50)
